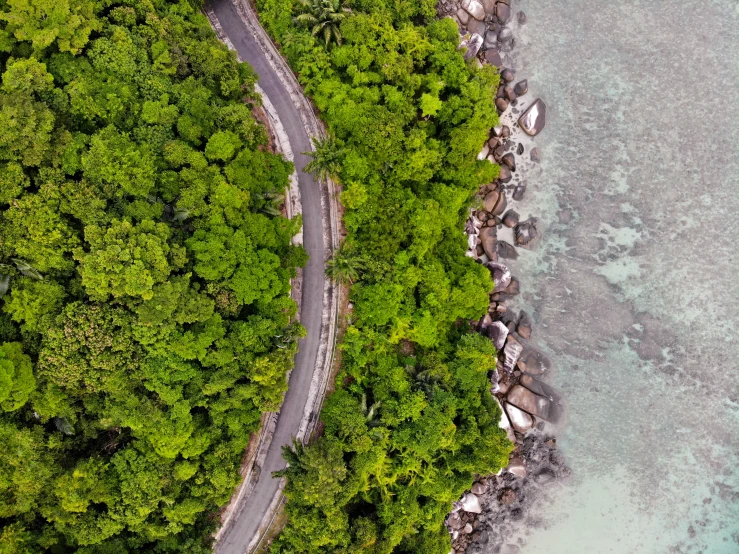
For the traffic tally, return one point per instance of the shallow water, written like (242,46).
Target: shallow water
(634,288)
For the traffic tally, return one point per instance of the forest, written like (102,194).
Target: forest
(412,418)
(146,321)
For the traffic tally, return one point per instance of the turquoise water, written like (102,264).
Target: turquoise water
(635,286)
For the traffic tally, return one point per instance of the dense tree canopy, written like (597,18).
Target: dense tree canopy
(412,419)
(145,316)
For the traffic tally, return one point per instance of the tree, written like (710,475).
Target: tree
(323,17)
(16,376)
(344,266)
(325,158)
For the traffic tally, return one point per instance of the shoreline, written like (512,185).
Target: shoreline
(481,519)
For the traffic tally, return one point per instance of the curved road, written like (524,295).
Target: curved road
(237,537)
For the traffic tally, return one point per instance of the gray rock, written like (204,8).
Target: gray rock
(519,148)
(519,192)
(503,12)
(471,504)
(505,173)
(507,75)
(506,250)
(510,160)
(501,275)
(522,19)
(473,46)
(533,119)
(517,468)
(536,405)
(511,352)
(491,199)
(467,529)
(501,104)
(526,232)
(474,8)
(454,522)
(485,322)
(492,56)
(498,333)
(505,35)
(535,155)
(491,39)
(488,236)
(510,219)
(478,489)
(522,87)
(463,16)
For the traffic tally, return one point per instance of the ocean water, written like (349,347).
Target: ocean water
(634,287)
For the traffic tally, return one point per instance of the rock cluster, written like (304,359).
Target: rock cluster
(480,521)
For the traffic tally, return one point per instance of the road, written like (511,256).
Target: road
(240,533)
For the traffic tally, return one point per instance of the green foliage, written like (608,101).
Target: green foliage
(412,419)
(324,18)
(145,266)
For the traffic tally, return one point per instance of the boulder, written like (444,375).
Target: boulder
(492,56)
(485,322)
(478,489)
(505,131)
(489,6)
(539,387)
(522,87)
(491,39)
(510,160)
(517,468)
(519,192)
(491,200)
(533,120)
(472,241)
(505,173)
(504,424)
(500,151)
(513,288)
(505,35)
(510,94)
(507,75)
(526,232)
(501,104)
(523,327)
(500,205)
(475,26)
(473,46)
(501,275)
(471,503)
(510,219)
(474,8)
(535,155)
(472,226)
(498,333)
(503,12)
(454,522)
(536,405)
(506,250)
(520,420)
(511,352)
(488,240)
(522,18)
(501,92)
(536,362)
(463,16)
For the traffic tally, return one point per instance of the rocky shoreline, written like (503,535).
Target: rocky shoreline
(483,519)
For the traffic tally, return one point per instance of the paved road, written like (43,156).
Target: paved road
(243,529)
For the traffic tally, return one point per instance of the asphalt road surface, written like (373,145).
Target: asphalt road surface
(243,528)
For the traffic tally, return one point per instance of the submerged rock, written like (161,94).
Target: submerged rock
(503,12)
(522,17)
(523,327)
(541,388)
(535,155)
(492,56)
(522,87)
(518,192)
(510,219)
(526,232)
(536,363)
(506,250)
(505,35)
(534,118)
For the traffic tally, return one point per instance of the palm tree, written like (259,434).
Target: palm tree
(344,266)
(323,16)
(326,158)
